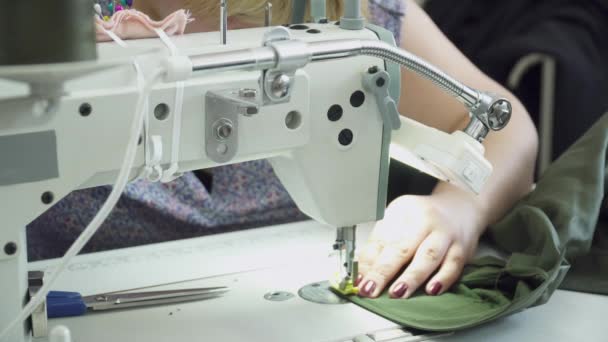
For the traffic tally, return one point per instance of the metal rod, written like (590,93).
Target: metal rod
(257,59)
(352,19)
(264,58)
(477,129)
(298,11)
(268,16)
(223,22)
(326,50)
(318,10)
(352,9)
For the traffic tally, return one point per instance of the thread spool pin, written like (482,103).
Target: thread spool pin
(223,22)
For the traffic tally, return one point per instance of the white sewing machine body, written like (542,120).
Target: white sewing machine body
(89,147)
(331,182)
(337,182)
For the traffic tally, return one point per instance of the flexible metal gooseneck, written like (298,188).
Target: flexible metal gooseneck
(488,111)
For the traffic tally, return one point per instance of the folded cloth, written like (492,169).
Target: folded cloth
(557,224)
(133,24)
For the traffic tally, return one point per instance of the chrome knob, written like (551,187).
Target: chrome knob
(499,115)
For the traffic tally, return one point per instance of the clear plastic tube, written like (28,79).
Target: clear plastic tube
(91,229)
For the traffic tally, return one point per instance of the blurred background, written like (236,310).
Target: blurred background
(553,54)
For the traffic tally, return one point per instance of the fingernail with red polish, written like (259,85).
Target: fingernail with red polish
(435,289)
(399,290)
(368,288)
(358,280)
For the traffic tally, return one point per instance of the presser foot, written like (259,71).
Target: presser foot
(345,286)
(344,282)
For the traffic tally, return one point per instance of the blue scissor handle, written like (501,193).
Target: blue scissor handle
(65,304)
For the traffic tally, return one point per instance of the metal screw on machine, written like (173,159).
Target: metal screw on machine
(500,114)
(248,93)
(490,113)
(223,129)
(279,86)
(292,55)
(223,110)
(248,110)
(249,96)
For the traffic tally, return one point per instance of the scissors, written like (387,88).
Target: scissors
(71,304)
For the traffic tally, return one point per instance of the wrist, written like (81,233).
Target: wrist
(465,207)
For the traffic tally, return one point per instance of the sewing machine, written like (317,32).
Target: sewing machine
(262,93)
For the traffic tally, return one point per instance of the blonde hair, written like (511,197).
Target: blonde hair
(252,11)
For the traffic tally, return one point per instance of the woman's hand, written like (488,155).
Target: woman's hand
(439,233)
(433,235)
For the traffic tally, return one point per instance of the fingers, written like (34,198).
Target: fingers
(428,257)
(387,263)
(401,222)
(448,273)
(367,257)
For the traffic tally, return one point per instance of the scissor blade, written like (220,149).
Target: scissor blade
(136,299)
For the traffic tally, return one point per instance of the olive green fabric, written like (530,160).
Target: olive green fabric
(556,224)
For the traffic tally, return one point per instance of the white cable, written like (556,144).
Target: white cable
(121,182)
(153,144)
(152,171)
(116,38)
(171,173)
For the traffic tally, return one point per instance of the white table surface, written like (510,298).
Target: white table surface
(255,262)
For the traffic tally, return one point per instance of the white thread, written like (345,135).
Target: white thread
(141,111)
(171,174)
(102,214)
(152,171)
(115,38)
(155,171)
(140,84)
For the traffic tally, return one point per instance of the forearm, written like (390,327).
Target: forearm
(512,153)
(434,236)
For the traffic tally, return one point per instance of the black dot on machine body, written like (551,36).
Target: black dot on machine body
(357,99)
(346,137)
(47,197)
(10,248)
(335,113)
(85,109)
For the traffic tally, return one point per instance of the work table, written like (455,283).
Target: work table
(263,261)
